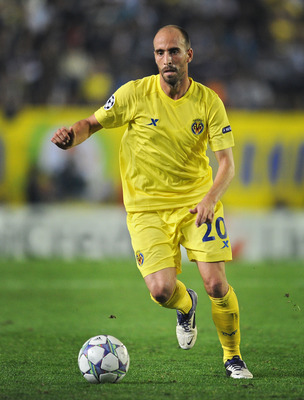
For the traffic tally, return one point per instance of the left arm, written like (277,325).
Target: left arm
(224,175)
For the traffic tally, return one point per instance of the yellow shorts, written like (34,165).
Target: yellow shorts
(157,235)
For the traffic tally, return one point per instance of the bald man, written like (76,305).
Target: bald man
(169,194)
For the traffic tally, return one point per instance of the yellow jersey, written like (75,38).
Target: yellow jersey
(163,162)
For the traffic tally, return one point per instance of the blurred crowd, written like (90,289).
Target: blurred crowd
(79,51)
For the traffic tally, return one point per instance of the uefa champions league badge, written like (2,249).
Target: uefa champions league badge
(110,103)
(197,127)
(140,258)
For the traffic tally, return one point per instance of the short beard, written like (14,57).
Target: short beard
(172,81)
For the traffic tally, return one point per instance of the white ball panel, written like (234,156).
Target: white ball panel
(101,339)
(95,354)
(108,377)
(128,364)
(83,364)
(90,378)
(109,362)
(122,354)
(114,340)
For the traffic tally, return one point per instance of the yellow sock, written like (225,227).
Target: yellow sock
(180,299)
(225,314)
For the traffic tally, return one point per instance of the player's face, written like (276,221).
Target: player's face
(171,55)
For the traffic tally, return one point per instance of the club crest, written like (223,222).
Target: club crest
(139,258)
(197,126)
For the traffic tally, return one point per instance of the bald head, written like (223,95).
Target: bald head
(178,30)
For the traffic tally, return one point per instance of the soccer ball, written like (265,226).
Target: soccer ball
(103,359)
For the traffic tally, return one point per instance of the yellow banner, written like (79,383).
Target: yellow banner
(269,158)
(31,167)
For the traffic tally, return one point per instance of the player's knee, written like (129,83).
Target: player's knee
(216,288)
(161,293)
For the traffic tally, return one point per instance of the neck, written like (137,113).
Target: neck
(177,90)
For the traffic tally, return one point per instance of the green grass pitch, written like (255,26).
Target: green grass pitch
(50,308)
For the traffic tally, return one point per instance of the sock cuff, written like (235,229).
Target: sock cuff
(180,287)
(221,301)
(179,300)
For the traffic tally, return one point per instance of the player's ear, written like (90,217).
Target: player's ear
(189,55)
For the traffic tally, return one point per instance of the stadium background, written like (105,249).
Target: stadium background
(61,60)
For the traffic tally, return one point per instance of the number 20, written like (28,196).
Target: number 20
(223,235)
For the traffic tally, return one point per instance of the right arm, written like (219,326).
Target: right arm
(65,138)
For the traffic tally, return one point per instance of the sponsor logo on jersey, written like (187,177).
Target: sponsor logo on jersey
(140,258)
(226,129)
(110,103)
(153,121)
(197,126)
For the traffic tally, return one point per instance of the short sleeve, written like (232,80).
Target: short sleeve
(220,134)
(119,109)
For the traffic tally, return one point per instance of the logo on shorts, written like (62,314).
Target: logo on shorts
(140,258)
(110,103)
(225,243)
(197,126)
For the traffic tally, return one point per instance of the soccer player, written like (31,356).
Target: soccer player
(169,194)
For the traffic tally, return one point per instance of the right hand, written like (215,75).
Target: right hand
(204,211)
(64,138)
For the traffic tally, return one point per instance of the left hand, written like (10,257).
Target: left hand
(204,211)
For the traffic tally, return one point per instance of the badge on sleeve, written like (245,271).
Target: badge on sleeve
(226,129)
(110,103)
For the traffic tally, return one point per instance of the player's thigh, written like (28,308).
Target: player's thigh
(154,242)
(210,242)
